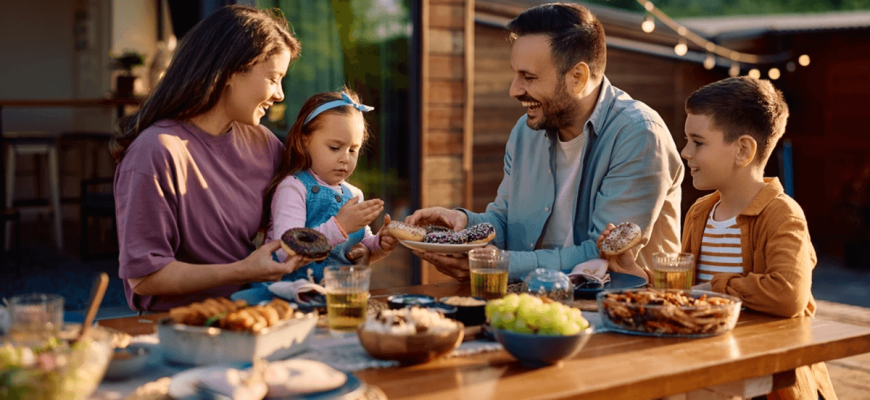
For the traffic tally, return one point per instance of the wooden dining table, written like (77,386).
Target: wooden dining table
(757,356)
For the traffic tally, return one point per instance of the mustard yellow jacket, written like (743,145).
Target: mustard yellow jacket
(778,262)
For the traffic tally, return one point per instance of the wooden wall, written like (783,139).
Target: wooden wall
(447,108)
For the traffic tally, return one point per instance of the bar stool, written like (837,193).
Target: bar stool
(34,143)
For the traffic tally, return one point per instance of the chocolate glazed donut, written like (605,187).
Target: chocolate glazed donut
(306,242)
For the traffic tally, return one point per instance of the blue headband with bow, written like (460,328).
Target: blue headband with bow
(345,101)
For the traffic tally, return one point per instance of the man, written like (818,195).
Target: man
(585,154)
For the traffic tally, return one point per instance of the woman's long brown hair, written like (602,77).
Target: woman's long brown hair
(295,157)
(230,40)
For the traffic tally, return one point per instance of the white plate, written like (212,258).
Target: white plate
(183,385)
(441,248)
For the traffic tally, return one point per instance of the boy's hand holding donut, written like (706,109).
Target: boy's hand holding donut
(624,261)
(354,215)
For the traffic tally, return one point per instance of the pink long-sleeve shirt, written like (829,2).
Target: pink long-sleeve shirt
(289,211)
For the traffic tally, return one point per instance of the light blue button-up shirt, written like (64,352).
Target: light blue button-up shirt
(631,172)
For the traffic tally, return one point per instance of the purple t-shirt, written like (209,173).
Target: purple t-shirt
(182,194)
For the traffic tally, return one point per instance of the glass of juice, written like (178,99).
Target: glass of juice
(347,293)
(673,270)
(489,272)
(35,317)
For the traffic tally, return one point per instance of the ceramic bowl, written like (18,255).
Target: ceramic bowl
(668,312)
(127,362)
(410,349)
(398,301)
(469,310)
(537,351)
(446,309)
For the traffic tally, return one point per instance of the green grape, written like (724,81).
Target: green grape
(511,301)
(568,328)
(548,331)
(503,320)
(577,318)
(491,307)
(531,313)
(521,327)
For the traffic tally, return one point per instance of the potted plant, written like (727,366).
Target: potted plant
(125,62)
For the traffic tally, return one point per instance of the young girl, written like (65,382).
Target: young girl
(309,188)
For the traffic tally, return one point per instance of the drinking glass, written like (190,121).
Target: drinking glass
(673,270)
(549,283)
(35,317)
(489,272)
(347,293)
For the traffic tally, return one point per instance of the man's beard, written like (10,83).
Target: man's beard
(557,113)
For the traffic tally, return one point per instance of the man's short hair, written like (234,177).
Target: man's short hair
(575,35)
(743,106)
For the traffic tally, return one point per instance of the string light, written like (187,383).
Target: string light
(734,70)
(754,73)
(681,48)
(773,73)
(804,60)
(709,61)
(648,24)
(713,49)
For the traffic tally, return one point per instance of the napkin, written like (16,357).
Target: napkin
(301,291)
(231,383)
(593,270)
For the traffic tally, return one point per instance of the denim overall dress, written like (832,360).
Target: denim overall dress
(321,204)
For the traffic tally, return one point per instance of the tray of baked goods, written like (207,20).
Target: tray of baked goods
(220,330)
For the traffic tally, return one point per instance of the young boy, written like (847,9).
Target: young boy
(750,240)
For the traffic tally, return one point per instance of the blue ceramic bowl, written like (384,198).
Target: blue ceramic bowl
(535,351)
(398,301)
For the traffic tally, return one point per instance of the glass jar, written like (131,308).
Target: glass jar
(552,284)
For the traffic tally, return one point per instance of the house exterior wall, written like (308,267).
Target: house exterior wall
(447,108)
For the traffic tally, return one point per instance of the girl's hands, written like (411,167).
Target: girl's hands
(354,215)
(625,262)
(388,242)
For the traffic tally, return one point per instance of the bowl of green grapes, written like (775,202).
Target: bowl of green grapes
(537,331)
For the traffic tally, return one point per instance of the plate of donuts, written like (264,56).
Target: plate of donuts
(442,240)
(441,248)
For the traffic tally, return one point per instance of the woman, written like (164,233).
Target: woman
(194,164)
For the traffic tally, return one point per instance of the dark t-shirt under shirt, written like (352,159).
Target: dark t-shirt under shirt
(182,194)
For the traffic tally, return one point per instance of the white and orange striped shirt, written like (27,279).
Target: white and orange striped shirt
(720,249)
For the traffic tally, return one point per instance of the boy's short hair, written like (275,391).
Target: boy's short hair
(743,106)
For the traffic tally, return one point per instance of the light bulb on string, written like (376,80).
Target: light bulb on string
(804,60)
(710,46)
(773,73)
(710,61)
(790,67)
(649,6)
(734,70)
(648,25)
(681,48)
(754,73)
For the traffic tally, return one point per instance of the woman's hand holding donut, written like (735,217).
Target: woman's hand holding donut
(265,269)
(438,216)
(624,262)
(354,215)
